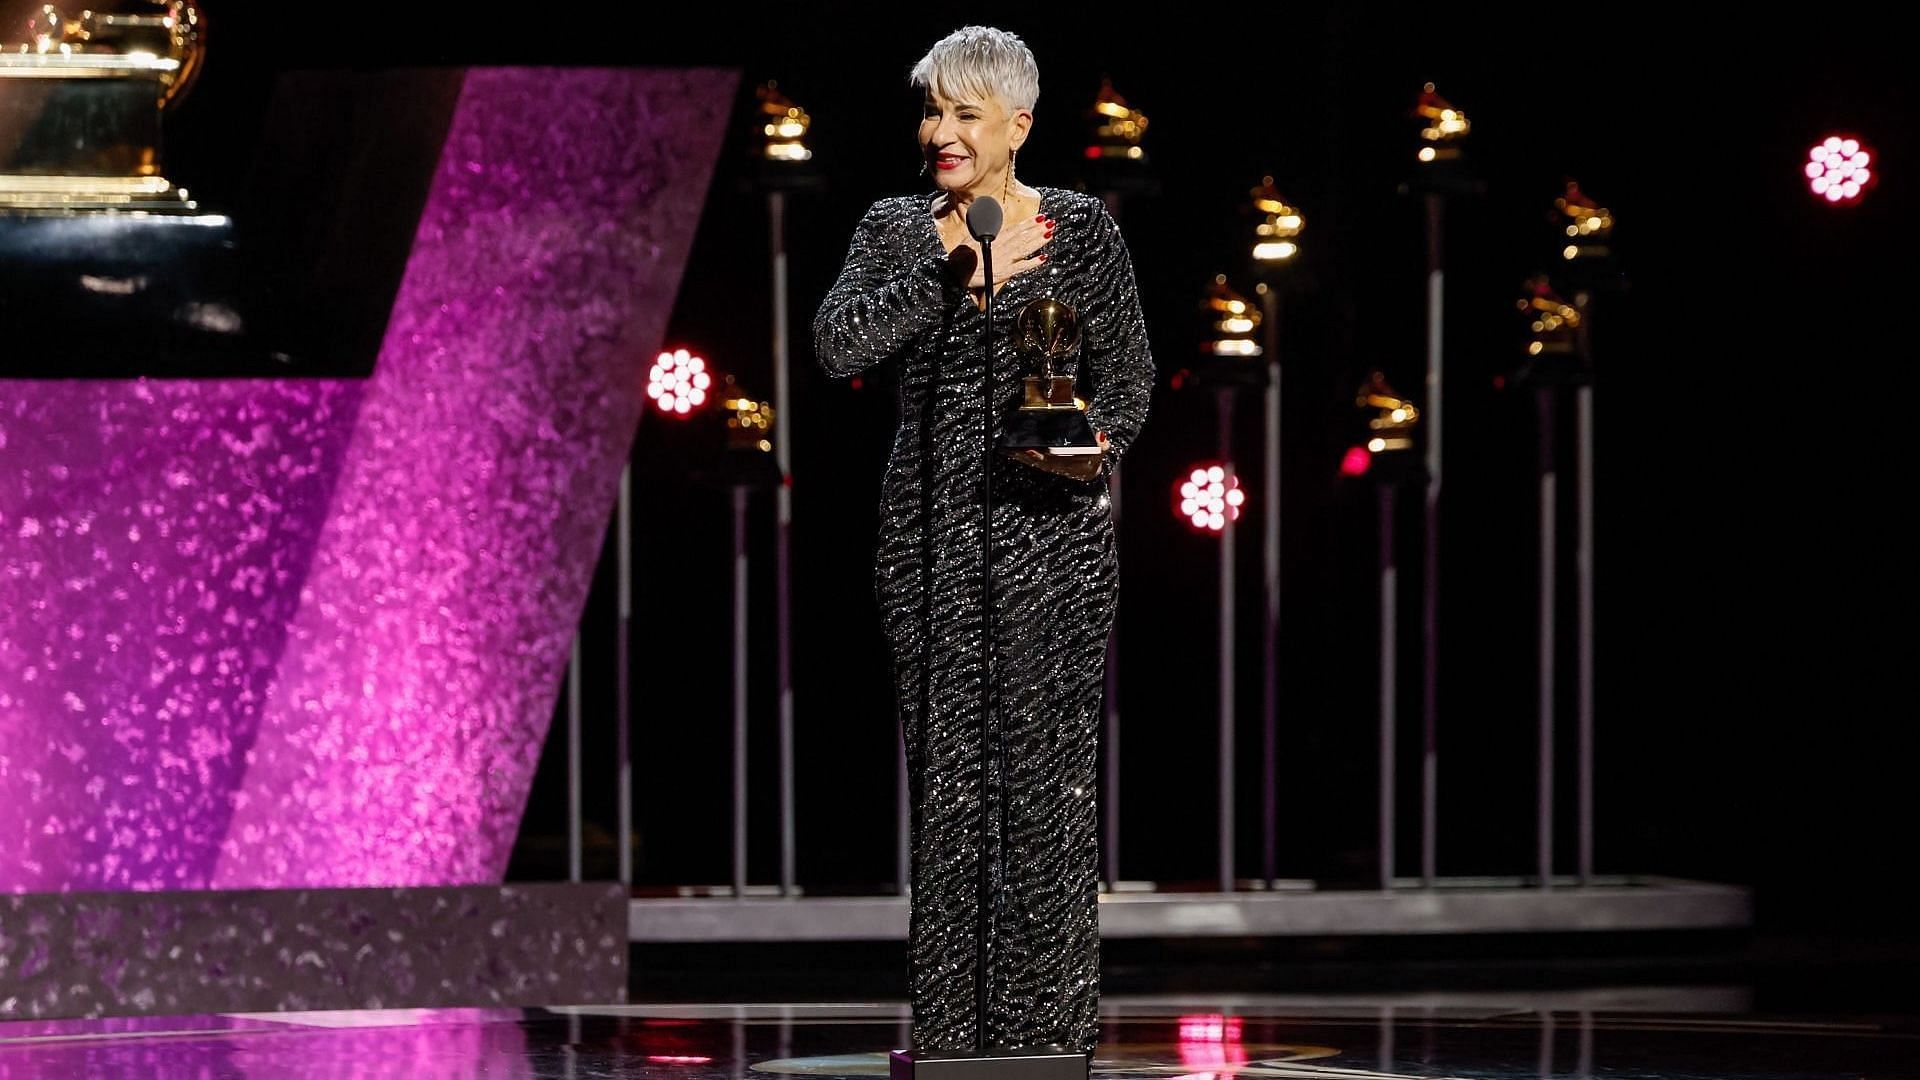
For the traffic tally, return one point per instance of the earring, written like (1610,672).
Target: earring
(1006,188)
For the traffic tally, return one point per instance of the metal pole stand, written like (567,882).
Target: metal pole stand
(778,180)
(1270,569)
(1227,696)
(1547,399)
(1390,471)
(1435,182)
(1389,678)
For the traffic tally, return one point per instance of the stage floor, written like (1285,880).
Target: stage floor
(1184,1038)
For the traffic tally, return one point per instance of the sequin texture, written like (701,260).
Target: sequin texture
(265,633)
(1055,585)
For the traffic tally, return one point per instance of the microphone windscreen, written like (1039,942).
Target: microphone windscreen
(984,218)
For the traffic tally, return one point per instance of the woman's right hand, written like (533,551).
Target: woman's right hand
(1025,237)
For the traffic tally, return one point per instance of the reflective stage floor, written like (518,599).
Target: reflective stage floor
(1184,1038)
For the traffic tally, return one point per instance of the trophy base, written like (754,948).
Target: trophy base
(114,295)
(1037,1063)
(72,194)
(1224,373)
(741,468)
(1551,370)
(1593,269)
(1120,175)
(1057,431)
(796,176)
(1058,441)
(1444,176)
(88,121)
(1397,467)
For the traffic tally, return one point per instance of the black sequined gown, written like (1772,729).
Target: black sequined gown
(1055,584)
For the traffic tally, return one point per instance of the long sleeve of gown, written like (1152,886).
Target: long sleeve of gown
(1114,339)
(880,301)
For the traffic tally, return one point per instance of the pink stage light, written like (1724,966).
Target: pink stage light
(1840,169)
(1208,497)
(678,383)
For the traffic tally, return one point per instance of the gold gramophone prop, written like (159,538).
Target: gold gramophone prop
(1588,225)
(1117,127)
(1231,321)
(1276,238)
(1390,428)
(1442,127)
(782,160)
(1049,428)
(783,127)
(1443,166)
(81,93)
(738,450)
(1229,345)
(1553,320)
(749,421)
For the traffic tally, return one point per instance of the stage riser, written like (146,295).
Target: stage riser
(1450,908)
(158,954)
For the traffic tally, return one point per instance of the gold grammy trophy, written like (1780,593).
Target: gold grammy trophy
(81,93)
(1049,428)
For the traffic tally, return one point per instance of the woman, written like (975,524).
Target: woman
(911,294)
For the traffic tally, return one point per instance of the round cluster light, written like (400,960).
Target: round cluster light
(1839,169)
(1209,497)
(678,382)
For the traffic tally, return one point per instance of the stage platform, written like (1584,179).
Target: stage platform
(1677,1034)
(1451,906)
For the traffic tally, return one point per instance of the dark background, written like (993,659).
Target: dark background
(1755,584)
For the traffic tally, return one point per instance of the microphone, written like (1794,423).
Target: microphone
(984,218)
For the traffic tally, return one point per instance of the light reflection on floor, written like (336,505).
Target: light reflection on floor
(1167,1038)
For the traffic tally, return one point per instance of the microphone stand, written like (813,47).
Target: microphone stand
(983,1062)
(987,748)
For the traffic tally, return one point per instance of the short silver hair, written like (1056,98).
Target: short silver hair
(978,62)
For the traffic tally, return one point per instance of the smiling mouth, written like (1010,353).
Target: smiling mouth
(948,161)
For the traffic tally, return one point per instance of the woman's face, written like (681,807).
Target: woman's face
(968,144)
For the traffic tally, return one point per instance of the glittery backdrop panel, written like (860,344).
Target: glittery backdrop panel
(288,1052)
(173,954)
(423,664)
(493,1050)
(153,539)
